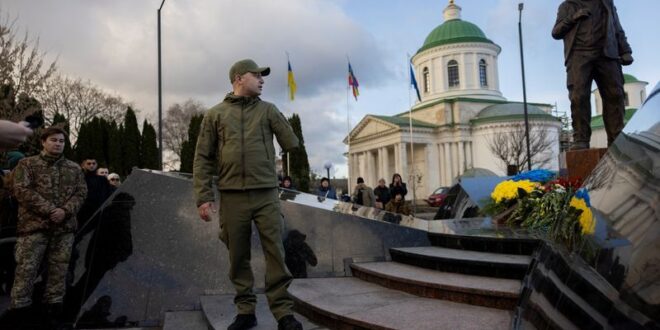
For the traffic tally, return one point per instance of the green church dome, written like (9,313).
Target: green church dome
(454,31)
(510,111)
(628,78)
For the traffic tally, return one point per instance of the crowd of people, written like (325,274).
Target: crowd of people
(390,198)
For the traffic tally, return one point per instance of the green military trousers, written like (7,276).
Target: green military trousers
(237,211)
(30,251)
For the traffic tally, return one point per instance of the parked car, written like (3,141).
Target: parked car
(438,196)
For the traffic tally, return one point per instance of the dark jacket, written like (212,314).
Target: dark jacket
(43,183)
(616,43)
(382,195)
(398,189)
(236,143)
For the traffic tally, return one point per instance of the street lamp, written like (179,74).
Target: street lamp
(160,98)
(522,65)
(328,166)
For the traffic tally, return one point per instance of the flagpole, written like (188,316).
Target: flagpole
(288,163)
(348,128)
(411,170)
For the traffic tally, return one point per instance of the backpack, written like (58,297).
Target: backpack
(359,199)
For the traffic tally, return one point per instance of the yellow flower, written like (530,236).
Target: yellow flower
(587,221)
(507,190)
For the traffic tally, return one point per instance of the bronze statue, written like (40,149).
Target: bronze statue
(595,47)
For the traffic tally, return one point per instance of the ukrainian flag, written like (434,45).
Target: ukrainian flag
(291,83)
(353,82)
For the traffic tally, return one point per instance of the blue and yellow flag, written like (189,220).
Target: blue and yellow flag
(353,82)
(291,83)
(413,82)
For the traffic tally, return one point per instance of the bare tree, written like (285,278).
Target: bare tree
(511,147)
(21,64)
(175,127)
(80,101)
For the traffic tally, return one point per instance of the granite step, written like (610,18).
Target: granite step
(506,245)
(574,307)
(469,289)
(543,315)
(350,303)
(220,311)
(462,261)
(185,320)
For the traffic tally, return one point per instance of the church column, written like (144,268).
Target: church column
(403,160)
(461,157)
(432,167)
(454,159)
(353,167)
(476,72)
(386,164)
(448,169)
(468,154)
(379,162)
(441,162)
(372,172)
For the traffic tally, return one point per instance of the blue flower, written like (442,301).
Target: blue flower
(583,194)
(541,176)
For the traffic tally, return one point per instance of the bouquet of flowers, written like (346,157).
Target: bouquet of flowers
(557,208)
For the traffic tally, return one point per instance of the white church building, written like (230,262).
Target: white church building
(634,96)
(460,112)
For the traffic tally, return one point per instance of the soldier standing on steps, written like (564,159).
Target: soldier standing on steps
(236,143)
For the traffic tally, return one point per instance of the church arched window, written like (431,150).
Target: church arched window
(427,80)
(483,76)
(452,73)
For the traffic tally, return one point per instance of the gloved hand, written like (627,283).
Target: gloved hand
(626,59)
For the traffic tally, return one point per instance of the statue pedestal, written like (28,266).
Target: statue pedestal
(580,163)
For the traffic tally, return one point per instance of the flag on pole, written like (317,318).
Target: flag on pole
(352,81)
(291,83)
(413,82)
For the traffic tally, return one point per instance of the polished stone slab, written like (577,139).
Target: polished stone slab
(463,261)
(577,302)
(350,302)
(451,281)
(544,315)
(220,311)
(485,243)
(465,255)
(185,320)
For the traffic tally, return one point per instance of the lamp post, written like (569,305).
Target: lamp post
(522,66)
(160,97)
(328,166)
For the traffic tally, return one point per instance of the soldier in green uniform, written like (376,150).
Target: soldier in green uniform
(236,144)
(49,189)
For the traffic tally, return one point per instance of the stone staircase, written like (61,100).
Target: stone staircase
(460,282)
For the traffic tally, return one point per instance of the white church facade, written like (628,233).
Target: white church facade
(460,114)
(634,96)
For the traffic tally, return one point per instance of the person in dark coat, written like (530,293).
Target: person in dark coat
(382,193)
(398,186)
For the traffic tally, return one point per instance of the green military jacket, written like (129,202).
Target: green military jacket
(43,183)
(236,144)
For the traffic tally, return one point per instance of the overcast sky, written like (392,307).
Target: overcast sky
(113,44)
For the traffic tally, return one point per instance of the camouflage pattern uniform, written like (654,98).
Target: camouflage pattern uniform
(43,183)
